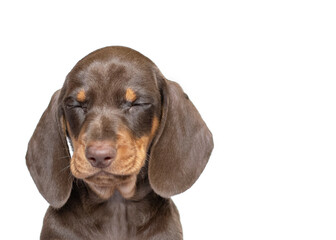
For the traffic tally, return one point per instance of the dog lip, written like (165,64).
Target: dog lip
(108,175)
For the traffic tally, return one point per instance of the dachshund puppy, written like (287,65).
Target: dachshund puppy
(137,140)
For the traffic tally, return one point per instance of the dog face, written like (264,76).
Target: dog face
(122,118)
(112,110)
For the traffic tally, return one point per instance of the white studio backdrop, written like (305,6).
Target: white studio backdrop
(261,73)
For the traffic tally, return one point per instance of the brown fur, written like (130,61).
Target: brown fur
(161,147)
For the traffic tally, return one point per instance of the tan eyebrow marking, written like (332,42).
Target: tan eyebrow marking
(81,96)
(130,95)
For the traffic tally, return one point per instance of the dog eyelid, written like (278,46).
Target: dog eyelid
(139,103)
(71,103)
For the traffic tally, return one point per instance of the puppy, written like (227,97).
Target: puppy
(137,140)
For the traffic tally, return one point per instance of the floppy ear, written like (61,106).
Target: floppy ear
(48,156)
(182,146)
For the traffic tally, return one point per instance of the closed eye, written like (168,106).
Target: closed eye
(136,106)
(141,104)
(73,104)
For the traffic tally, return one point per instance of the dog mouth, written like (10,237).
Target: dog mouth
(120,175)
(106,179)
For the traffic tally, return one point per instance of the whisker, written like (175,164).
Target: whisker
(70,176)
(66,168)
(77,182)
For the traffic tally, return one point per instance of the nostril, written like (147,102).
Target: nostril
(100,154)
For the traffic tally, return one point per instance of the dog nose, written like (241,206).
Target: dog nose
(100,154)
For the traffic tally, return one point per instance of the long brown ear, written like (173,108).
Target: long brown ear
(48,157)
(182,146)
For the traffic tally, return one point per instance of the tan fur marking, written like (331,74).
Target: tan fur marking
(131,157)
(102,191)
(127,189)
(142,145)
(155,126)
(79,166)
(63,125)
(130,95)
(81,96)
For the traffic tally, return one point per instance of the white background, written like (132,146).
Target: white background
(262,74)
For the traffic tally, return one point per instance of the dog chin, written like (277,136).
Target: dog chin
(103,192)
(126,186)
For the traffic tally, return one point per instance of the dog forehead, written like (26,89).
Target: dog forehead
(109,56)
(109,72)
(112,66)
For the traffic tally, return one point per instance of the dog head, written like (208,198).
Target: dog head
(120,115)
